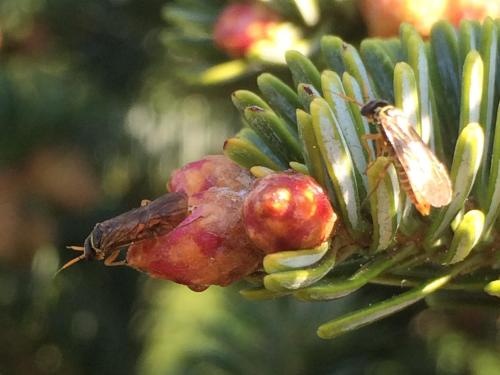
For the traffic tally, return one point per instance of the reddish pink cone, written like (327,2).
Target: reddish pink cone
(287,211)
(209,247)
(240,26)
(211,171)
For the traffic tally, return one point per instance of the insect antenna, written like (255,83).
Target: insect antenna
(348,98)
(365,93)
(381,176)
(76,248)
(70,263)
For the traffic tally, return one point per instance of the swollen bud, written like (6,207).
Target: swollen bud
(383,17)
(209,247)
(241,26)
(287,211)
(211,171)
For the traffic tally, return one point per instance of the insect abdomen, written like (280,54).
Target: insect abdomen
(422,207)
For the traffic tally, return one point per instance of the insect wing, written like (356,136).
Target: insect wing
(158,217)
(427,176)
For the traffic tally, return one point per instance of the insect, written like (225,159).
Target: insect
(420,173)
(152,219)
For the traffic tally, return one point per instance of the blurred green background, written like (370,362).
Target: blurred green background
(93,119)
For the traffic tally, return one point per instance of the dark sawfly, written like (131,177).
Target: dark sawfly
(423,177)
(151,219)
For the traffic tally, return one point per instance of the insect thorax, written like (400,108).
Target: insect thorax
(382,112)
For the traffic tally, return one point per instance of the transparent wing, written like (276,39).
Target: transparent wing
(426,174)
(158,217)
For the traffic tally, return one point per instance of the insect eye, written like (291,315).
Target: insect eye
(96,237)
(369,108)
(381,103)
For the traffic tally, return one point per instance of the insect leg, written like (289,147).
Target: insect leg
(382,174)
(76,248)
(110,261)
(379,180)
(379,145)
(386,150)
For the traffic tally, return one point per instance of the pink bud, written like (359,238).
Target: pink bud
(211,171)
(210,247)
(240,26)
(287,211)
